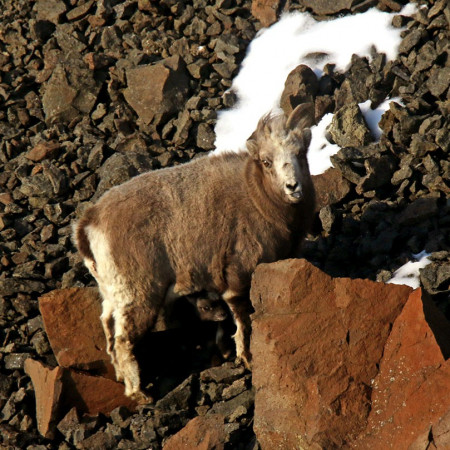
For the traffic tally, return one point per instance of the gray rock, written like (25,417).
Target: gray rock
(227,408)
(164,96)
(301,86)
(16,360)
(439,81)
(348,127)
(178,399)
(226,373)
(205,137)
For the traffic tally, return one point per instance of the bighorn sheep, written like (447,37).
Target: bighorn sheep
(200,226)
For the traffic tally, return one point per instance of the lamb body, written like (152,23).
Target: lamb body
(201,226)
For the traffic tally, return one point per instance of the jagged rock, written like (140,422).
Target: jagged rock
(313,387)
(50,10)
(408,403)
(71,90)
(266,11)
(47,385)
(417,211)
(301,86)
(327,7)
(203,433)
(43,150)
(330,187)
(348,127)
(165,95)
(72,322)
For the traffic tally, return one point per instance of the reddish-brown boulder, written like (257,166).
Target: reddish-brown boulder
(165,94)
(72,323)
(266,11)
(43,150)
(202,433)
(331,187)
(410,399)
(47,384)
(92,394)
(58,390)
(316,345)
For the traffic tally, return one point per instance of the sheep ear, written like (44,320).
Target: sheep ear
(306,138)
(252,146)
(301,117)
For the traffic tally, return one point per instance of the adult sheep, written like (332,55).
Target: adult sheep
(200,226)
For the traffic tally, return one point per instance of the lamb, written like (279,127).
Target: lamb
(209,306)
(201,226)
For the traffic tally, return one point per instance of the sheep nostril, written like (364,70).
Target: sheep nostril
(292,186)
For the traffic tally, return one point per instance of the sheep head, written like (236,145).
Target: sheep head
(279,146)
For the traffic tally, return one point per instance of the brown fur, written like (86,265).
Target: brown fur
(201,226)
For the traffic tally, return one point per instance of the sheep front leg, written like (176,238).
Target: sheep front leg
(240,309)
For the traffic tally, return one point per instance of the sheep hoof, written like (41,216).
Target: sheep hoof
(141,398)
(245,359)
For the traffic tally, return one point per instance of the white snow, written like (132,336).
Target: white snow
(294,40)
(320,149)
(409,273)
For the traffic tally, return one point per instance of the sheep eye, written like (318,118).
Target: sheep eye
(267,163)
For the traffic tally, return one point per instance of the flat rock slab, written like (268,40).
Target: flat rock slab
(58,390)
(202,433)
(410,399)
(72,323)
(157,89)
(316,343)
(47,384)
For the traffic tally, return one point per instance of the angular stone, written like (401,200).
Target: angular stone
(50,10)
(418,211)
(331,187)
(439,80)
(301,86)
(71,90)
(348,127)
(266,11)
(43,150)
(72,322)
(410,393)
(157,89)
(202,433)
(326,337)
(47,385)
(327,7)
(92,394)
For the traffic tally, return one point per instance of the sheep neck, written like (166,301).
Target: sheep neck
(268,203)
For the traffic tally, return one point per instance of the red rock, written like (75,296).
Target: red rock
(316,342)
(266,11)
(47,387)
(91,394)
(72,323)
(165,94)
(202,433)
(43,150)
(331,187)
(411,392)
(59,390)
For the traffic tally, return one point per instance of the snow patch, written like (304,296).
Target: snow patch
(409,273)
(297,38)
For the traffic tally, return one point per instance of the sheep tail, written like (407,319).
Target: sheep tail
(81,237)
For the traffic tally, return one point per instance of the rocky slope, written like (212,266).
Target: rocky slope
(77,116)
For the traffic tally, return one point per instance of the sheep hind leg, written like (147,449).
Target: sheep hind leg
(108,323)
(131,322)
(240,309)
